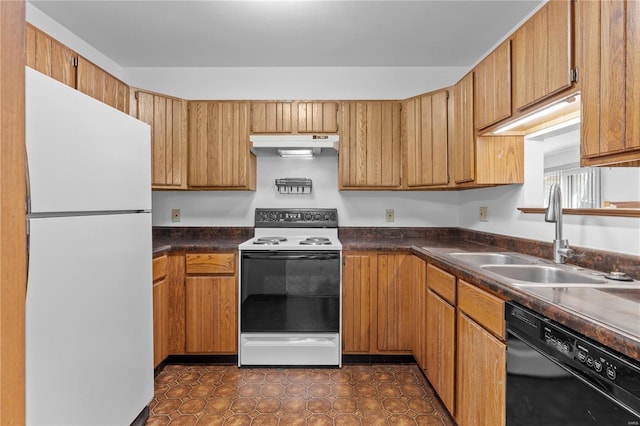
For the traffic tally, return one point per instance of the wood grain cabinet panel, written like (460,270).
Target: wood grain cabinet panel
(394,303)
(168,120)
(419,286)
(481,375)
(464,141)
(50,57)
(358,278)
(99,84)
(542,54)
(317,117)
(211,314)
(271,117)
(218,144)
(425,132)
(440,347)
(500,160)
(370,154)
(211,263)
(492,85)
(160,311)
(608,57)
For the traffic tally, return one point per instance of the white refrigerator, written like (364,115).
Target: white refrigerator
(89,320)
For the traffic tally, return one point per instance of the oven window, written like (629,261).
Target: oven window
(290,291)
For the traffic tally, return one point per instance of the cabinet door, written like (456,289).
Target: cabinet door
(542,54)
(481,376)
(419,286)
(211,309)
(608,41)
(395,304)
(317,117)
(492,97)
(97,83)
(48,56)
(219,151)
(160,322)
(426,136)
(440,348)
(369,145)
(271,117)
(356,302)
(168,120)
(464,142)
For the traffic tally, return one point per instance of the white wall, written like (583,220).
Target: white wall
(334,83)
(599,232)
(355,208)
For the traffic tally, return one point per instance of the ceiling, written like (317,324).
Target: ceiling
(301,33)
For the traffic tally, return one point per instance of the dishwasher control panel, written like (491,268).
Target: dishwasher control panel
(567,347)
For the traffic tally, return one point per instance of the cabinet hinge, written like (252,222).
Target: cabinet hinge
(135,95)
(573,75)
(74,61)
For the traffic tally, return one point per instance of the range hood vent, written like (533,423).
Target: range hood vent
(288,145)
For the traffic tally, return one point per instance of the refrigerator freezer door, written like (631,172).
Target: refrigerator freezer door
(89,322)
(83,155)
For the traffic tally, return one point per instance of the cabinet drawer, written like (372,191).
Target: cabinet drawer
(211,263)
(442,283)
(159,267)
(486,309)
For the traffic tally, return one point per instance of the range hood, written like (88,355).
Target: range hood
(300,146)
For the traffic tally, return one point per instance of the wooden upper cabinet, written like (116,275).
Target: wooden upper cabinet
(99,84)
(464,141)
(271,117)
(500,160)
(219,150)
(294,117)
(425,132)
(50,57)
(492,97)
(168,120)
(317,117)
(542,54)
(608,57)
(370,154)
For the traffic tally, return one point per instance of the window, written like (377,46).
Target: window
(580,187)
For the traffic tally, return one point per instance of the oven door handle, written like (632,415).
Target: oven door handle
(276,256)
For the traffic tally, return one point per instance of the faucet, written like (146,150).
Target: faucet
(561,250)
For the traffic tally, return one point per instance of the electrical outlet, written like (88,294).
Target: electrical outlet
(484,214)
(389,215)
(175,215)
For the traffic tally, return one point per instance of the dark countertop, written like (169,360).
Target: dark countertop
(591,312)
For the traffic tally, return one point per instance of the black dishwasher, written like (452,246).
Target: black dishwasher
(555,376)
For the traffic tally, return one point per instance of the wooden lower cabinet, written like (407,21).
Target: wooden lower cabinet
(481,358)
(440,350)
(211,318)
(160,311)
(394,303)
(356,302)
(481,376)
(211,303)
(378,302)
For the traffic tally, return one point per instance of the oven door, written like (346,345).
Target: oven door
(290,307)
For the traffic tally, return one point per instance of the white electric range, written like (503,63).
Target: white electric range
(290,289)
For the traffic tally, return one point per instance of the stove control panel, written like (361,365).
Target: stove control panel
(296,218)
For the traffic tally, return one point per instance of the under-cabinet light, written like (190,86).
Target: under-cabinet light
(295,153)
(536,115)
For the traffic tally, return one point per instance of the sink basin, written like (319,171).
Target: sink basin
(550,276)
(480,258)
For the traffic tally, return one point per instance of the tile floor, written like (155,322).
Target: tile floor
(378,394)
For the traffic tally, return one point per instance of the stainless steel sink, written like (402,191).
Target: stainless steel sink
(481,258)
(552,276)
